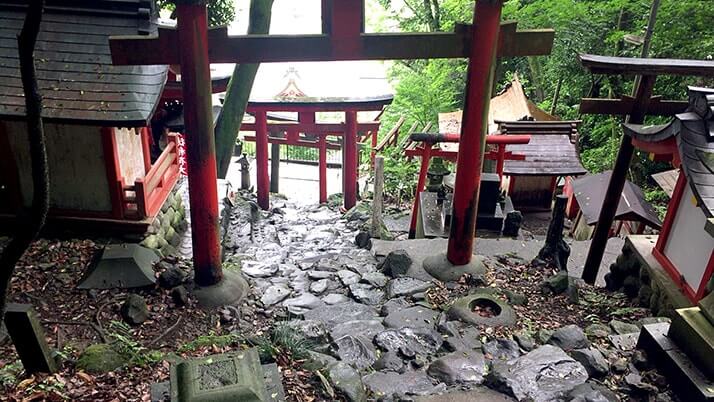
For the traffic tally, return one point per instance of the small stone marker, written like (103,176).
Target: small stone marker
(219,378)
(27,334)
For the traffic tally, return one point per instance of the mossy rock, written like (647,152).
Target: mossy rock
(151,241)
(176,221)
(101,358)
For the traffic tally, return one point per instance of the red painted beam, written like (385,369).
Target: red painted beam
(482,55)
(200,146)
(261,159)
(349,169)
(322,158)
(312,128)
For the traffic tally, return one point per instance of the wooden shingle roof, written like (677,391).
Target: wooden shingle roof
(694,132)
(550,152)
(76,77)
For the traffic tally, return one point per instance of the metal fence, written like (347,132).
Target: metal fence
(298,154)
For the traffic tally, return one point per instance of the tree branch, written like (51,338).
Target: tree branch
(26,233)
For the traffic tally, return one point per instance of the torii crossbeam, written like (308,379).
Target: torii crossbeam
(343,38)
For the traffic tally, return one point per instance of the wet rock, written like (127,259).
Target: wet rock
(376,279)
(459,368)
(348,381)
(621,327)
(258,270)
(590,392)
(543,335)
(460,337)
(179,295)
(318,287)
(316,275)
(342,312)
(393,305)
(396,264)
(501,349)
(313,331)
(569,337)
(544,374)
(516,299)
(624,342)
(274,294)
(356,351)
(394,386)
(335,298)
(363,240)
(348,277)
(414,317)
(409,342)
(597,331)
(365,293)
(512,223)
(639,387)
(525,341)
(406,287)
(303,303)
(389,361)
(365,328)
(134,310)
(555,284)
(593,361)
(171,277)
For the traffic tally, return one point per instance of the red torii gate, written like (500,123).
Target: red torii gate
(306,108)
(343,38)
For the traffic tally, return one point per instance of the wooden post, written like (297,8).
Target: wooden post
(377,199)
(261,158)
(373,151)
(322,165)
(484,43)
(421,181)
(23,326)
(617,183)
(275,168)
(192,25)
(349,148)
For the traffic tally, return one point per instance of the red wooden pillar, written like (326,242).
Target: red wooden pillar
(322,163)
(501,160)
(373,153)
(200,146)
(484,42)
(146,148)
(425,158)
(261,158)
(349,175)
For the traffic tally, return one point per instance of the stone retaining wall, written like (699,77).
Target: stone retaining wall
(638,274)
(164,234)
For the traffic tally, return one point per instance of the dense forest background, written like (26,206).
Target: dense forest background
(425,88)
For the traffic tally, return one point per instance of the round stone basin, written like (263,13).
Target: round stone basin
(482,309)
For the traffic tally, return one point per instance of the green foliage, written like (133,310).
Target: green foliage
(220,12)
(283,340)
(658,198)
(400,176)
(211,339)
(124,343)
(9,373)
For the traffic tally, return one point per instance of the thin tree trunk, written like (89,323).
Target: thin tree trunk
(30,228)
(238,92)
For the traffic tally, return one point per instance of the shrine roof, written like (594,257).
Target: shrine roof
(550,152)
(75,74)
(590,191)
(323,103)
(694,133)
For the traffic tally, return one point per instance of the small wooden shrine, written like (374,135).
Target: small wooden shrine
(97,117)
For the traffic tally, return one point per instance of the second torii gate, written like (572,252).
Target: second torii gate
(194,47)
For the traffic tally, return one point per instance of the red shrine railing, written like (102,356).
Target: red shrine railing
(145,197)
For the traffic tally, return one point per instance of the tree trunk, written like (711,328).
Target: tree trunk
(555,250)
(238,91)
(30,227)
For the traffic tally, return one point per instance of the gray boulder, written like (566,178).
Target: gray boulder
(569,337)
(414,317)
(389,361)
(406,286)
(393,305)
(335,298)
(303,303)
(311,330)
(590,392)
(134,310)
(390,386)
(357,351)
(348,277)
(332,315)
(366,294)
(459,368)
(396,264)
(347,380)
(622,328)
(409,342)
(375,279)
(274,294)
(543,375)
(459,336)
(365,328)
(594,362)
(556,284)
(501,349)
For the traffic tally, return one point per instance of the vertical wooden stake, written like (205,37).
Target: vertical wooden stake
(322,165)
(349,148)
(261,158)
(275,168)
(377,199)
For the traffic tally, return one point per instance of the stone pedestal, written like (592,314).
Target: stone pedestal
(219,378)
(121,266)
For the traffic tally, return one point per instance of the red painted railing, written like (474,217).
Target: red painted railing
(146,196)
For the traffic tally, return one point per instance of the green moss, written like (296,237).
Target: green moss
(101,358)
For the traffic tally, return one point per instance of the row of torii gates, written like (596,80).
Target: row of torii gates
(194,47)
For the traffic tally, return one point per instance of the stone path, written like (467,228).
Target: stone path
(372,329)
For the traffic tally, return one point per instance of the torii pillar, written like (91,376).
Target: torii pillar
(458,259)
